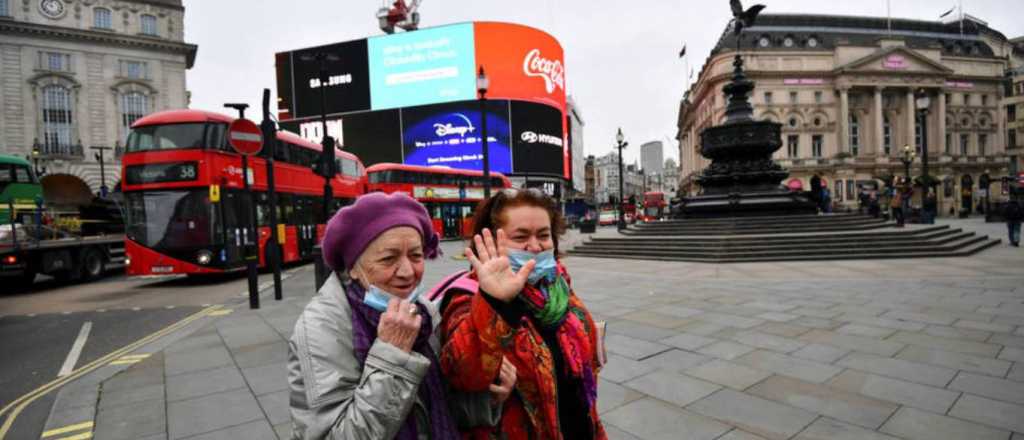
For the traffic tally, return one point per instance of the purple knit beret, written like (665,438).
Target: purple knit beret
(354,227)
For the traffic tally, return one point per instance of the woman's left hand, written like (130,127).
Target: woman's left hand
(506,381)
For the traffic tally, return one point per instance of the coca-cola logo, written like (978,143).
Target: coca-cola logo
(550,70)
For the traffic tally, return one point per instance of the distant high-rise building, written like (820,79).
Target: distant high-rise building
(652,157)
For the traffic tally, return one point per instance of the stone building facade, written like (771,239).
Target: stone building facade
(844,90)
(75,74)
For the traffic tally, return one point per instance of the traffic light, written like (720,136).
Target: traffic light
(327,166)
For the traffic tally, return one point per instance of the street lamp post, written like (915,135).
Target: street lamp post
(482,83)
(907,159)
(327,167)
(40,171)
(620,140)
(103,173)
(922,103)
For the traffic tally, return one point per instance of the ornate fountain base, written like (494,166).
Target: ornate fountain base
(747,204)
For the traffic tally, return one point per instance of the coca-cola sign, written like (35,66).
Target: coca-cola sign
(535,65)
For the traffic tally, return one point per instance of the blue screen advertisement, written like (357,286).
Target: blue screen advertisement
(450,135)
(422,67)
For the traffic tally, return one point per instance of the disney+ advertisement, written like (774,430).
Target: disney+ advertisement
(451,135)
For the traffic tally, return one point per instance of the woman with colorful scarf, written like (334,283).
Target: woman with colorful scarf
(523,311)
(362,361)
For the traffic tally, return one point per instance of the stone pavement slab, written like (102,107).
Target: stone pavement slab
(732,375)
(907,393)
(828,429)
(674,388)
(990,412)
(765,418)
(789,366)
(845,406)
(915,424)
(727,350)
(212,412)
(956,361)
(899,369)
(987,386)
(650,419)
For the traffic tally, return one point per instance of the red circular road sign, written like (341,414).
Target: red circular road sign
(245,136)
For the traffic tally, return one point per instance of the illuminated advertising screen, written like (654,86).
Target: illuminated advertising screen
(522,63)
(347,85)
(422,67)
(451,135)
(537,139)
(374,137)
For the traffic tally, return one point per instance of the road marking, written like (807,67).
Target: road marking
(221,312)
(76,350)
(16,407)
(131,359)
(67,429)
(82,436)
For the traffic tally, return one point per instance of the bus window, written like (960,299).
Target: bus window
(215,138)
(281,152)
(166,137)
(349,167)
(22,175)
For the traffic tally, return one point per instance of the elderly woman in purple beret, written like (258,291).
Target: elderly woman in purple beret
(362,362)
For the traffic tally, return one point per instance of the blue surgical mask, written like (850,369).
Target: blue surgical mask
(546,265)
(378,298)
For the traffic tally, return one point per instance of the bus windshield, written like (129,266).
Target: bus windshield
(170,219)
(167,137)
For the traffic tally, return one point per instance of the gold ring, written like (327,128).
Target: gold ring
(412,310)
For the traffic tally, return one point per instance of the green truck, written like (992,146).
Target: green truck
(79,245)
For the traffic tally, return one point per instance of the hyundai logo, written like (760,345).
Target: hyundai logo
(529,137)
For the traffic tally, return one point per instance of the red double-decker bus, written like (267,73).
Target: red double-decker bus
(450,195)
(185,206)
(655,206)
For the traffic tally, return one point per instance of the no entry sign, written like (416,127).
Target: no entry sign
(245,136)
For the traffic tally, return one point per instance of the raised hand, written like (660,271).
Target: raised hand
(493,271)
(506,381)
(400,324)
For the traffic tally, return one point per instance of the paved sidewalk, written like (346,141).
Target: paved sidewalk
(895,349)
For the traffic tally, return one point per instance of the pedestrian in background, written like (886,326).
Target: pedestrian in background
(896,206)
(522,308)
(930,207)
(1014,213)
(362,361)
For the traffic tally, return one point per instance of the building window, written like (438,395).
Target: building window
(56,118)
(816,142)
(949,144)
(1011,112)
(134,69)
(1011,138)
(134,105)
(148,23)
(854,135)
(886,135)
(964,141)
(792,122)
(984,100)
(101,18)
(792,97)
(767,97)
(818,97)
(55,61)
(793,145)
(949,99)
(982,143)
(3,9)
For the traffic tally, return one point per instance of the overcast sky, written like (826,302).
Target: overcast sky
(620,56)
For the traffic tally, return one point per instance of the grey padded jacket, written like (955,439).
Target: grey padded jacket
(331,398)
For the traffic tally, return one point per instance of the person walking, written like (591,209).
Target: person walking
(930,207)
(521,306)
(1014,213)
(896,205)
(362,360)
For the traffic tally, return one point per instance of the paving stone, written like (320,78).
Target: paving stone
(894,390)
(187,362)
(676,360)
(816,312)
(736,434)
(899,369)
(655,319)
(777,316)
(865,330)
(267,378)
(850,342)
(674,388)
(650,419)
(768,342)
(130,396)
(938,343)
(620,369)
(702,328)
(687,341)
(727,350)
(261,354)
(611,395)
(1012,354)
(782,329)
(211,413)
(818,323)
(828,429)
(633,348)
(1016,372)
(989,412)
(957,361)
(927,318)
(848,407)
(1007,340)
(883,322)
(823,353)
(730,374)
(136,377)
(991,387)
(197,341)
(257,430)
(730,320)
(283,431)
(789,366)
(637,330)
(915,424)
(771,306)
(130,422)
(275,405)
(679,311)
(945,331)
(186,386)
(983,326)
(759,416)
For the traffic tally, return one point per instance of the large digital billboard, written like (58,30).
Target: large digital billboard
(451,135)
(422,67)
(522,63)
(537,140)
(347,85)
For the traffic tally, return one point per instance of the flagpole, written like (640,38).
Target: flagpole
(961,18)
(888,14)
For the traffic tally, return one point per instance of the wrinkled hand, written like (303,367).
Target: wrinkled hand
(506,381)
(397,326)
(493,271)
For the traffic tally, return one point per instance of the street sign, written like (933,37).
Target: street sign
(245,136)
(214,193)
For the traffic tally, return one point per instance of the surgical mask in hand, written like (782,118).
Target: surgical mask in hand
(378,298)
(545,268)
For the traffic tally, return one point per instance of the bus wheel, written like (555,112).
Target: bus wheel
(92,263)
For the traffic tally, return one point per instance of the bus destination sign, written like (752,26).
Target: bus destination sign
(162,172)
